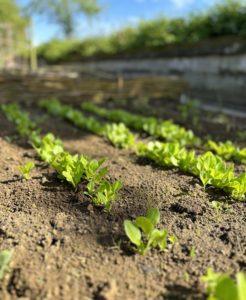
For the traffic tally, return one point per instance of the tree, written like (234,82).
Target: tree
(64,12)
(10,13)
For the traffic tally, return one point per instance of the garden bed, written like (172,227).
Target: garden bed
(66,248)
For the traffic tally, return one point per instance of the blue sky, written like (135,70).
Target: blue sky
(119,13)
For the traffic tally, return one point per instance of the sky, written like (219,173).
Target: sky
(117,14)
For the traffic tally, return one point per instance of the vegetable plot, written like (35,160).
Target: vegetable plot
(209,168)
(118,134)
(192,216)
(167,130)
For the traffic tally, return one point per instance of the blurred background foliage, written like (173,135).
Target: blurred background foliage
(227,18)
(64,12)
(12,14)
(224,19)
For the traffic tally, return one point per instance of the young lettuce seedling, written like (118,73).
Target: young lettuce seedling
(26,170)
(228,151)
(222,287)
(119,135)
(143,234)
(5,257)
(107,193)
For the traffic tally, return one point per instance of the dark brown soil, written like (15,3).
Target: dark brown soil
(67,249)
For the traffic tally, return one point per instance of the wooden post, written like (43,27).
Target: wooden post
(33,51)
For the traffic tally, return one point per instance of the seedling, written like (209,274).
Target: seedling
(26,170)
(106,194)
(119,135)
(5,257)
(228,151)
(193,252)
(220,286)
(143,234)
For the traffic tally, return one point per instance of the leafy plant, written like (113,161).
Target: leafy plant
(193,252)
(78,168)
(26,169)
(161,129)
(213,170)
(5,257)
(209,168)
(106,193)
(119,135)
(143,234)
(222,287)
(49,147)
(228,151)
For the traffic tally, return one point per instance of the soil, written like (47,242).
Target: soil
(65,248)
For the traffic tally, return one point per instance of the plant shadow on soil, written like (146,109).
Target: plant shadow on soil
(179,292)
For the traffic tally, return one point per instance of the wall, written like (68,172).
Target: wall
(215,79)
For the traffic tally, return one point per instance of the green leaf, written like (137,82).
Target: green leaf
(133,233)
(26,169)
(5,257)
(145,224)
(117,185)
(241,284)
(172,239)
(101,174)
(225,289)
(69,177)
(153,214)
(158,237)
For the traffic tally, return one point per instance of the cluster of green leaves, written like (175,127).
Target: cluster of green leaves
(118,134)
(209,168)
(222,287)
(143,234)
(5,257)
(167,130)
(228,151)
(161,129)
(72,168)
(78,168)
(26,170)
(11,14)
(225,19)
